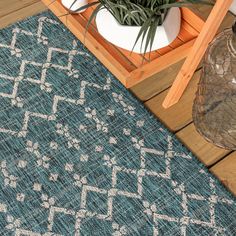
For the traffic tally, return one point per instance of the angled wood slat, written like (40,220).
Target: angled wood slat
(206,35)
(189,28)
(178,42)
(184,36)
(162,80)
(157,65)
(189,16)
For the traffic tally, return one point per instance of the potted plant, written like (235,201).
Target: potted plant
(140,26)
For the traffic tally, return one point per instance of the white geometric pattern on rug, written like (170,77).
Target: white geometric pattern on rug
(72,142)
(17,101)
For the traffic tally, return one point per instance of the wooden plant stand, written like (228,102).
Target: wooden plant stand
(129,68)
(205,37)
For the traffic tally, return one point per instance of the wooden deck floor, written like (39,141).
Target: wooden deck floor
(152,92)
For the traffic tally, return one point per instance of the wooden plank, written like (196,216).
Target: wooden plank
(192,31)
(77,28)
(184,35)
(137,59)
(190,17)
(175,118)
(159,64)
(207,153)
(163,51)
(158,82)
(176,43)
(225,170)
(227,22)
(201,10)
(206,35)
(178,117)
(21,14)
(14,5)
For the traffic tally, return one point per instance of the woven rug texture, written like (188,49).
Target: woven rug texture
(80,155)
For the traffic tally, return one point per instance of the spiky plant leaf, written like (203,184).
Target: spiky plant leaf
(148,14)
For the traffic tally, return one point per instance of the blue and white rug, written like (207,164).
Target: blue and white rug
(79,155)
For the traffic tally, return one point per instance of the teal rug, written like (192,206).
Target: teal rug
(79,155)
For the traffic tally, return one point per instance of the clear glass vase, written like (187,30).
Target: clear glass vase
(214,109)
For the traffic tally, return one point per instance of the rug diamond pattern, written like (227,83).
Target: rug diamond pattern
(81,156)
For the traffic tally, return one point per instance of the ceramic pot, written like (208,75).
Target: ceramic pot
(76,5)
(125,36)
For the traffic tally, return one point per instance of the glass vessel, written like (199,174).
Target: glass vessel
(214,109)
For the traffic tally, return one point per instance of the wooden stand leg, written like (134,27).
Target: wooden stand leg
(197,52)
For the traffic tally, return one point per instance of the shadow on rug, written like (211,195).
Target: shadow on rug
(81,156)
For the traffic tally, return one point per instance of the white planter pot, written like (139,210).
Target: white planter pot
(125,36)
(233,7)
(76,5)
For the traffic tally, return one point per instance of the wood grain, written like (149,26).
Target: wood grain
(178,116)
(159,64)
(8,7)
(157,83)
(206,152)
(21,13)
(162,80)
(197,52)
(225,170)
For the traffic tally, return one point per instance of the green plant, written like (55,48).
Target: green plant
(148,14)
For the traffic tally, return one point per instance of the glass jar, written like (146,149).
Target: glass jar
(214,109)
